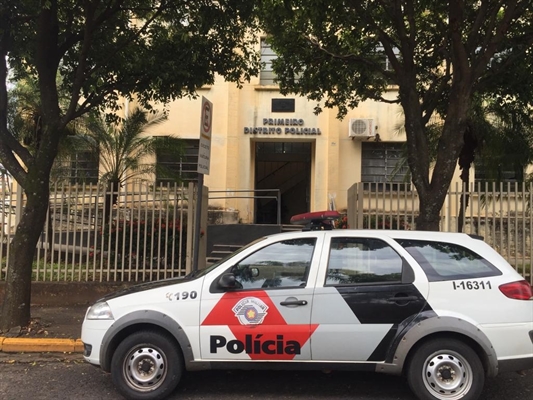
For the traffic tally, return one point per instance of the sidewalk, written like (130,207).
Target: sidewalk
(52,329)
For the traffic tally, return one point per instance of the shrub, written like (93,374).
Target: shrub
(341,223)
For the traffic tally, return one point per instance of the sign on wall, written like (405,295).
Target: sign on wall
(279,126)
(206,122)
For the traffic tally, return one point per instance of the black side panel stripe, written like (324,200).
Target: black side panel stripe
(384,304)
(380,353)
(391,304)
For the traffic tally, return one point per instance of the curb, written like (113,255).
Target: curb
(26,345)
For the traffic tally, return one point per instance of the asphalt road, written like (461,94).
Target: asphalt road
(34,376)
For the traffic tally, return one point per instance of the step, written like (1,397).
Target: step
(227,247)
(291,228)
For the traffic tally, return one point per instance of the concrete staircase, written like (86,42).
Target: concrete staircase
(291,228)
(221,251)
(224,240)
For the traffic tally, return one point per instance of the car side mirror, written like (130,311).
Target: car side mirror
(227,281)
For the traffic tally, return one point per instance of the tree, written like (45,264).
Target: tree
(498,137)
(103,51)
(123,149)
(438,54)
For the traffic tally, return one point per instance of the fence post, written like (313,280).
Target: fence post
(190,227)
(202,241)
(18,202)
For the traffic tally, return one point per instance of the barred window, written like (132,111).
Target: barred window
(267,75)
(384,165)
(84,167)
(185,165)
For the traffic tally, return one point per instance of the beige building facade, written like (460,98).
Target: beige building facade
(262,140)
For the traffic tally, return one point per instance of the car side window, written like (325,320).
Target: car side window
(448,261)
(362,261)
(279,265)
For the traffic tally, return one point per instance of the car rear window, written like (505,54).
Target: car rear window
(448,261)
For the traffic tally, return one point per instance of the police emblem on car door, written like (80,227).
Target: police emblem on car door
(366,291)
(260,308)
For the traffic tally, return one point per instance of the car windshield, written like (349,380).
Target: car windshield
(205,271)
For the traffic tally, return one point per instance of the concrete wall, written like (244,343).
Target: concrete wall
(69,293)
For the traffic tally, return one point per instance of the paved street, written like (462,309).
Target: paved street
(49,377)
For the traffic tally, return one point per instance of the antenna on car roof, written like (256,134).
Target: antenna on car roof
(316,221)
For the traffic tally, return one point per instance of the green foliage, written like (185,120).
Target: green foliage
(438,55)
(506,139)
(155,50)
(104,51)
(125,152)
(336,52)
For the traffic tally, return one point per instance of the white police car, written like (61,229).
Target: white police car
(444,309)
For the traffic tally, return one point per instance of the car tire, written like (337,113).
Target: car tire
(147,365)
(445,369)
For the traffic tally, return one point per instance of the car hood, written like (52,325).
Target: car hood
(148,286)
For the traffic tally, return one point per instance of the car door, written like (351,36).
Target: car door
(266,316)
(365,292)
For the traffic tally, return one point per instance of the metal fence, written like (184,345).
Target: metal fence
(145,232)
(135,233)
(500,213)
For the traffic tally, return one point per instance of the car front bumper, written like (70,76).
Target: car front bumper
(92,335)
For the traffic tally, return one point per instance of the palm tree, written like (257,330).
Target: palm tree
(24,110)
(125,152)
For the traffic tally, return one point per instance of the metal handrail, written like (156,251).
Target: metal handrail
(277,197)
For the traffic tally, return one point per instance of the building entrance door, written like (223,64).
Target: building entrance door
(285,166)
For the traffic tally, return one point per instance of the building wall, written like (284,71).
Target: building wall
(336,158)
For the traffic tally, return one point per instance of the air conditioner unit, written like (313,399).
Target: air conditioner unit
(361,128)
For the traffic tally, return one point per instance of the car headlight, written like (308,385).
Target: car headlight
(99,311)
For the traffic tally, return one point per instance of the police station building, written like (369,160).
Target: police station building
(264,144)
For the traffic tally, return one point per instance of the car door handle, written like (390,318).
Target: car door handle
(295,302)
(403,298)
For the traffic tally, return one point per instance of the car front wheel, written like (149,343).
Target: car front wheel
(445,369)
(147,365)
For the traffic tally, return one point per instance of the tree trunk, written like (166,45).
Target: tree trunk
(36,179)
(432,187)
(429,215)
(466,158)
(463,205)
(17,299)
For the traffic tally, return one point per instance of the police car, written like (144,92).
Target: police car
(443,309)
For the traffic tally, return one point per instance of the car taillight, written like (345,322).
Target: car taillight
(520,290)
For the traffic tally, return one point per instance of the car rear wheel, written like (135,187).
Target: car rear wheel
(445,369)
(147,365)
